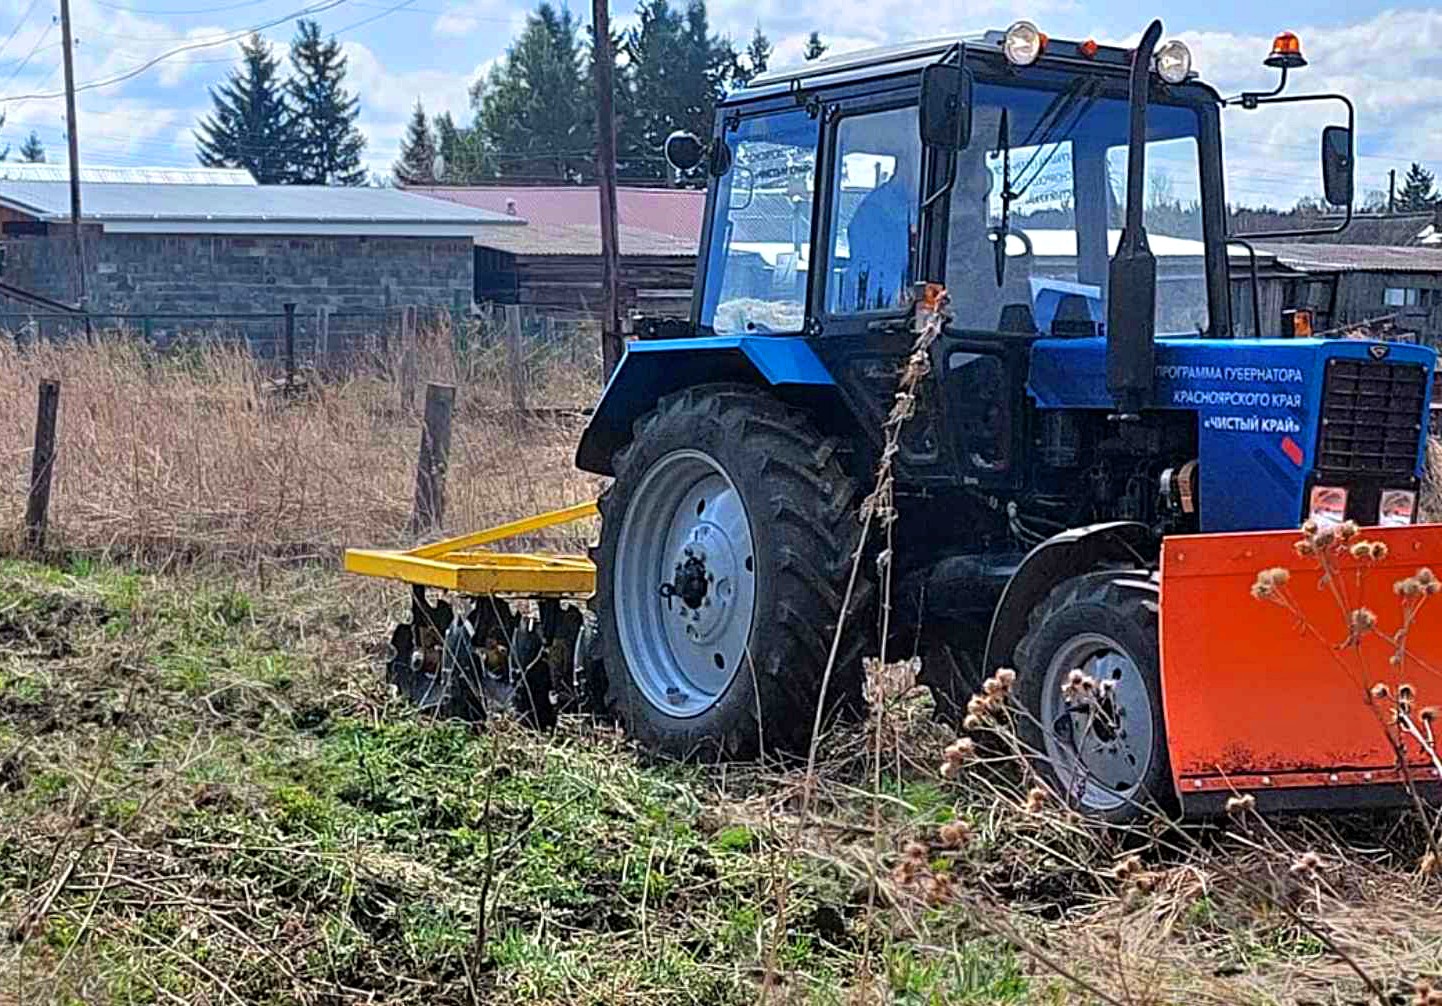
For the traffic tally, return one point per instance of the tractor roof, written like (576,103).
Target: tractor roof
(904,57)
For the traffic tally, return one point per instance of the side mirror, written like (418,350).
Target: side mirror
(684,151)
(1337,174)
(946,106)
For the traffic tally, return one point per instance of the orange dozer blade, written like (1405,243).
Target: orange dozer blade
(1267,697)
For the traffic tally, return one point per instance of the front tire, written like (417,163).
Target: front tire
(726,542)
(1105,753)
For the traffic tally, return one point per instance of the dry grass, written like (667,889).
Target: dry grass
(195,453)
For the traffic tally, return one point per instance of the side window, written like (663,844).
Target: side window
(875,202)
(760,249)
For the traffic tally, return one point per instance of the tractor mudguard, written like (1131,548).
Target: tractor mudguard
(652,369)
(1061,556)
(1269,699)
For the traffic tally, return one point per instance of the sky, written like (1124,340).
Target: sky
(1388,59)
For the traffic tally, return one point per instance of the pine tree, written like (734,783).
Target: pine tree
(815,48)
(678,70)
(417,164)
(32,151)
(1418,191)
(758,57)
(535,110)
(330,144)
(252,125)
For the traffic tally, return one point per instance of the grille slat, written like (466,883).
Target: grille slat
(1371,417)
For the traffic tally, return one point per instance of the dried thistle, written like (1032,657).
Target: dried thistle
(1380,691)
(1241,804)
(1307,864)
(1429,866)
(972,722)
(1035,800)
(955,834)
(1348,530)
(938,889)
(1379,551)
(1128,868)
(1362,621)
(1078,686)
(917,852)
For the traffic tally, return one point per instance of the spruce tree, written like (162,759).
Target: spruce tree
(758,57)
(535,109)
(815,48)
(32,151)
(330,145)
(678,70)
(417,164)
(1417,190)
(252,125)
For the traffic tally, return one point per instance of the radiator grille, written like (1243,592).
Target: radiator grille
(1371,418)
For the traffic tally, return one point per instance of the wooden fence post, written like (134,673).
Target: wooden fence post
(289,346)
(430,505)
(408,358)
(515,357)
(42,464)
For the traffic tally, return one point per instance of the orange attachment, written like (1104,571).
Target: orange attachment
(1298,690)
(1088,48)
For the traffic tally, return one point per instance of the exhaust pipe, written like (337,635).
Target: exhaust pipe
(1132,273)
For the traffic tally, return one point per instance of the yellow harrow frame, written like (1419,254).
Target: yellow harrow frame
(463,566)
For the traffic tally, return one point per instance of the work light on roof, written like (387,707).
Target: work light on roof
(1174,61)
(1023,44)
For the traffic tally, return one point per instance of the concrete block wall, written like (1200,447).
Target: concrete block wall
(202,274)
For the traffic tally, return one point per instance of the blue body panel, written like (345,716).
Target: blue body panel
(1257,403)
(653,368)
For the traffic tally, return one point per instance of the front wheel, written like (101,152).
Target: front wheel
(726,542)
(1097,736)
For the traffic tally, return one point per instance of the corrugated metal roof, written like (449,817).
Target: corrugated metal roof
(23,171)
(674,212)
(104,202)
(1354,258)
(583,240)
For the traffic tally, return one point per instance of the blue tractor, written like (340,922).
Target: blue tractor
(1090,400)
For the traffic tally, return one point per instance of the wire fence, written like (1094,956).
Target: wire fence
(302,340)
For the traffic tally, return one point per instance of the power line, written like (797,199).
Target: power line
(23,63)
(138,70)
(18,25)
(188,10)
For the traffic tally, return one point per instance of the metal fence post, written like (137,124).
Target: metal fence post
(289,345)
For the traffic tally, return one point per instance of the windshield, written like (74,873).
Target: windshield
(760,248)
(1048,169)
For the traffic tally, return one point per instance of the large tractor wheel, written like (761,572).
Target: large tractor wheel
(1103,748)
(726,543)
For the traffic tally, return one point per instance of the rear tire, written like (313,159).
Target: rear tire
(1106,758)
(728,487)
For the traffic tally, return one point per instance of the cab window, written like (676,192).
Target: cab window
(875,202)
(760,249)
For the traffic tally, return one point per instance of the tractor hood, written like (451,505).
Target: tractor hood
(1262,408)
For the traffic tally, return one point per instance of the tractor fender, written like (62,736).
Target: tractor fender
(1061,556)
(651,369)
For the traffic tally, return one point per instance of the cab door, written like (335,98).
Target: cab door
(868,257)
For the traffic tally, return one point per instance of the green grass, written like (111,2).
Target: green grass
(278,821)
(253,818)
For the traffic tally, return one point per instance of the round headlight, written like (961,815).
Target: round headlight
(1023,44)
(1174,62)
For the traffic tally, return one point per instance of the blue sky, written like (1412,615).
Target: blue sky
(1389,59)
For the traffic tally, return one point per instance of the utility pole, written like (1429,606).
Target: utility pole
(611,341)
(74,139)
(1391,192)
